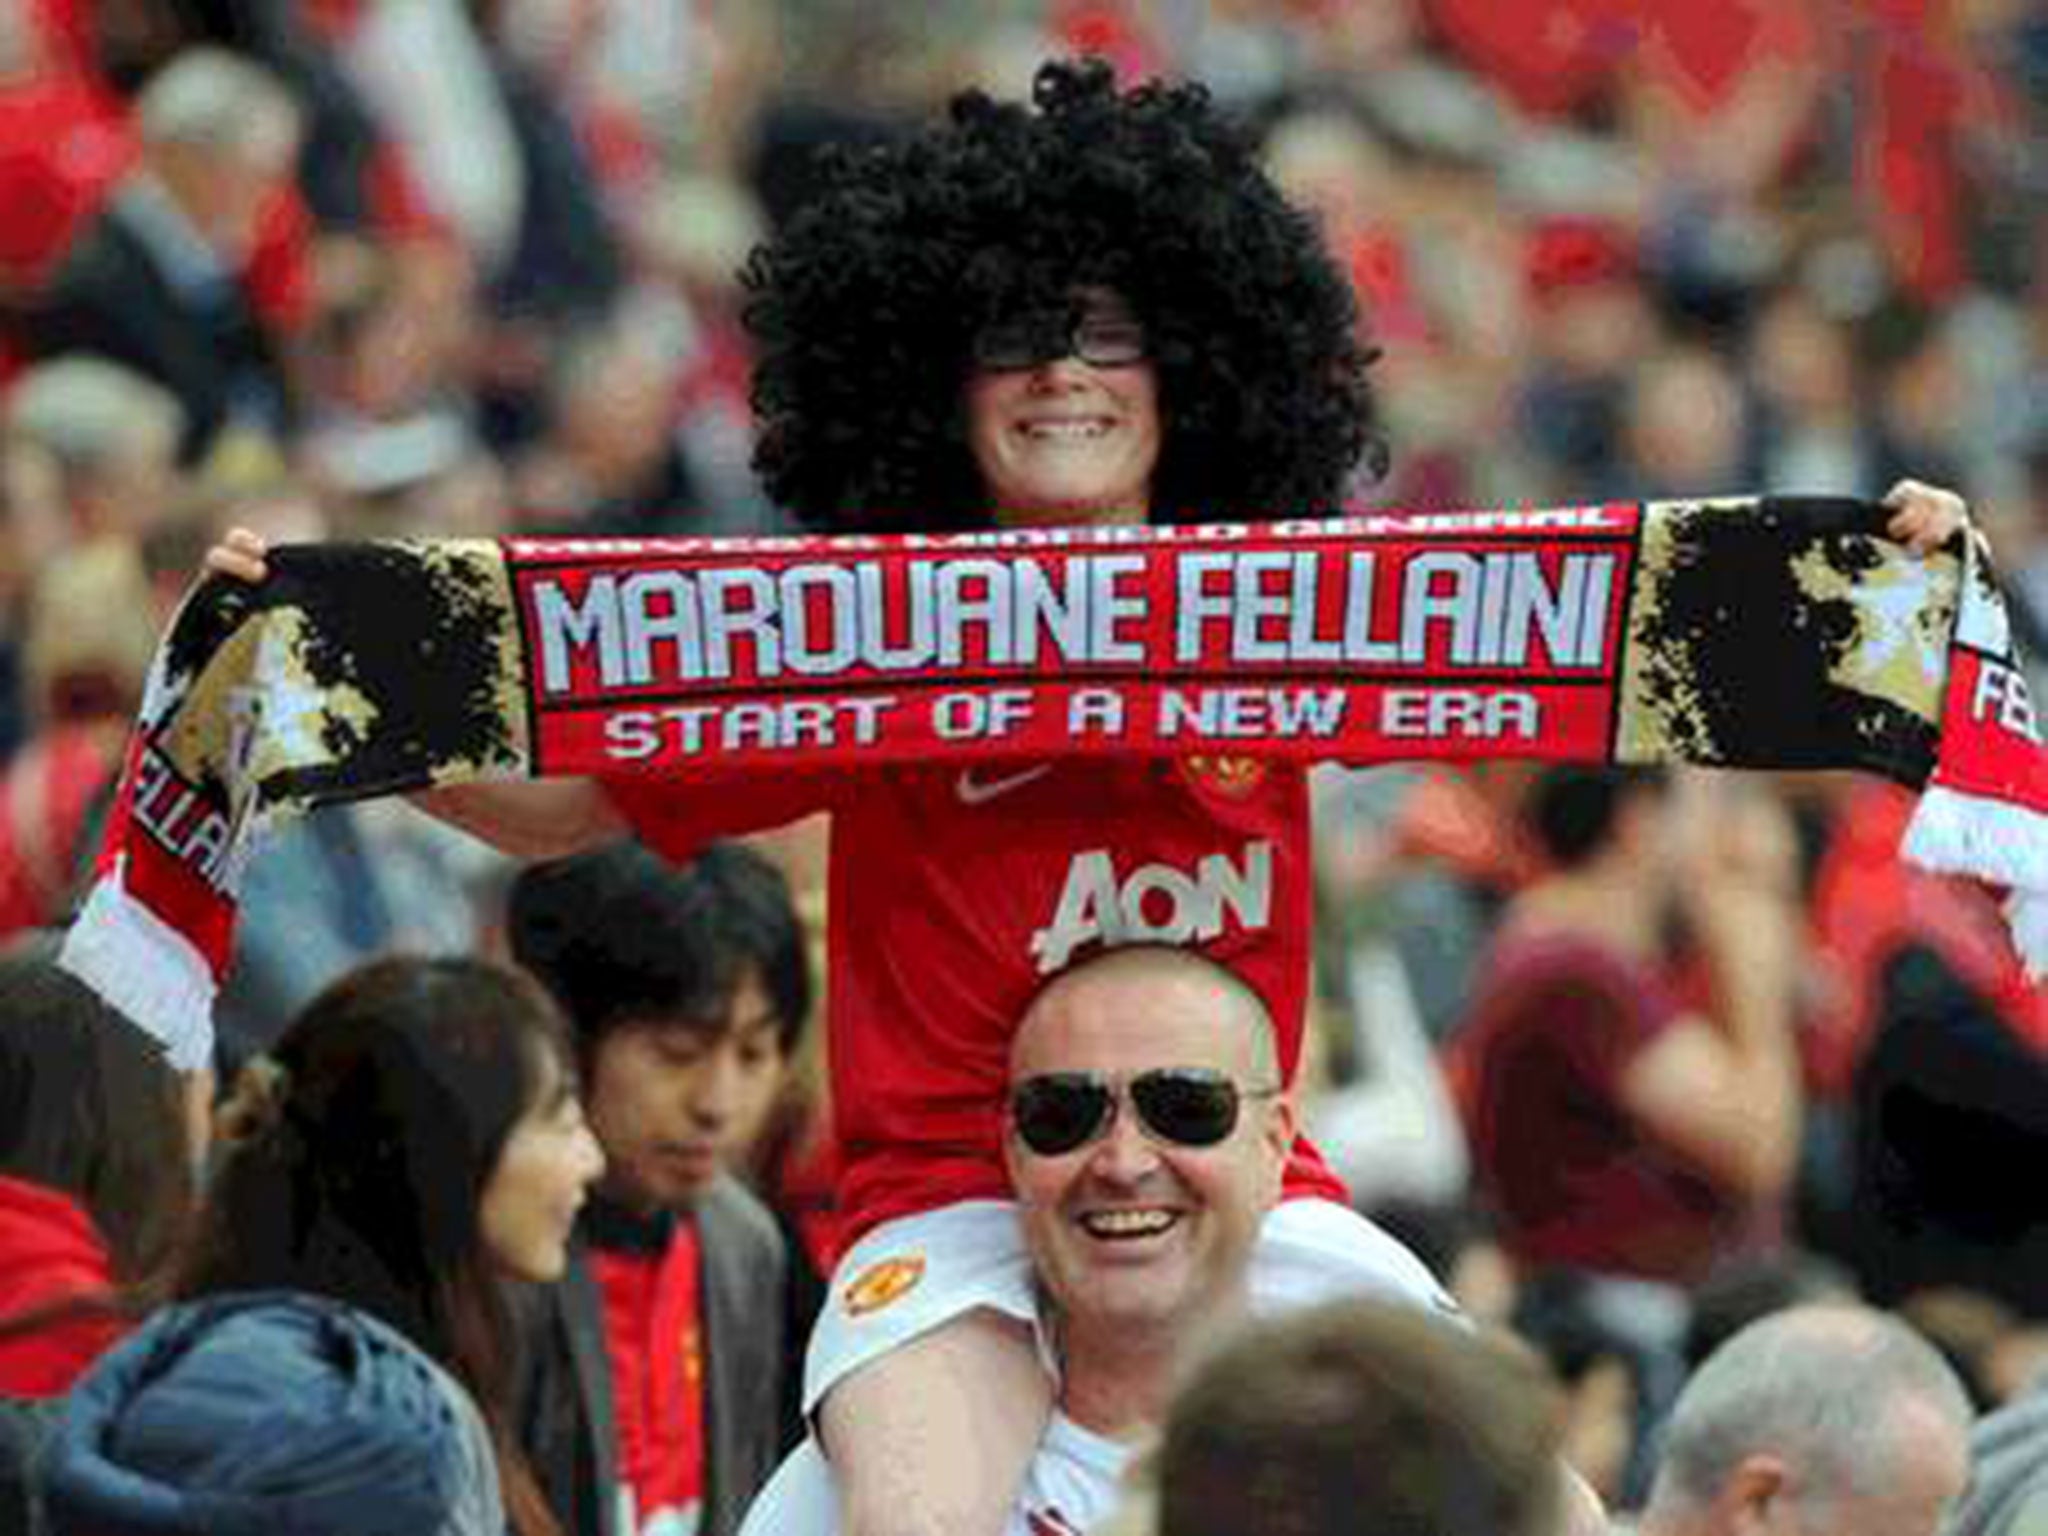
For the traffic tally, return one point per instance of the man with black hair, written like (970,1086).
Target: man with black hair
(659,1360)
(1615,1128)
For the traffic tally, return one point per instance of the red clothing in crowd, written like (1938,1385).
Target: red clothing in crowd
(955,891)
(1554,56)
(45,797)
(1868,904)
(49,1250)
(1905,61)
(64,142)
(654,1338)
(1555,1021)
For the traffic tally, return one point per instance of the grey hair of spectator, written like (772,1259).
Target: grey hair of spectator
(209,98)
(90,414)
(1824,1386)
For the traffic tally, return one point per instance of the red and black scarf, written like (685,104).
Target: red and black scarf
(1756,633)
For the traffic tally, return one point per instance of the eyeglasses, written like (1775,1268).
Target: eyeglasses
(1056,1112)
(1100,340)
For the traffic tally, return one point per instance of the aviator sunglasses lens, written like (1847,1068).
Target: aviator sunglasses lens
(1190,1109)
(1057,1113)
(1060,1111)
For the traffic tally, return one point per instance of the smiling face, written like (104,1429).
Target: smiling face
(1063,440)
(1131,1235)
(674,1101)
(531,1199)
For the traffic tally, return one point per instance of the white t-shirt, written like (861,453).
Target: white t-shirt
(914,1274)
(1072,1484)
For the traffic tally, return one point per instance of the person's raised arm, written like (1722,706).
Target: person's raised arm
(528,819)
(1724,1091)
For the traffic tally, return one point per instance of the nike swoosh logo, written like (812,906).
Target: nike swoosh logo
(973,791)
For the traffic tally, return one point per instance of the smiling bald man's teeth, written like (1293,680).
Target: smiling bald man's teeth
(1126,1223)
(1065,429)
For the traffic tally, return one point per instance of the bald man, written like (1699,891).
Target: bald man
(1817,1421)
(1146,1134)
(1145,1131)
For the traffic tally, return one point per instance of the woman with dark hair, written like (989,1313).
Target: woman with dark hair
(420,1142)
(95,1175)
(1091,310)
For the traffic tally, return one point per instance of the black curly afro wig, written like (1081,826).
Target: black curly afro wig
(863,312)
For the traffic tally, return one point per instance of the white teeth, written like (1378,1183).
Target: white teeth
(1064,429)
(1126,1223)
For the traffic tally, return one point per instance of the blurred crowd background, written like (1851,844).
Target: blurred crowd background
(342,268)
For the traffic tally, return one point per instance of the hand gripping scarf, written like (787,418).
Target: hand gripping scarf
(1754,633)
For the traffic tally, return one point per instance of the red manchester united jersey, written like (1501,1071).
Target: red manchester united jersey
(957,890)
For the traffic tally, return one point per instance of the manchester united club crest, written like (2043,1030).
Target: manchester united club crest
(1232,777)
(881,1283)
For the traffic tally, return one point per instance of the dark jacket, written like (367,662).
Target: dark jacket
(567,1427)
(269,1414)
(1949,1100)
(112,296)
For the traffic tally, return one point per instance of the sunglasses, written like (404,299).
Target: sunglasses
(1098,339)
(1056,1112)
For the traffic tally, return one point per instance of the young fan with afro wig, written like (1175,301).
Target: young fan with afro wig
(932,271)
(866,310)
